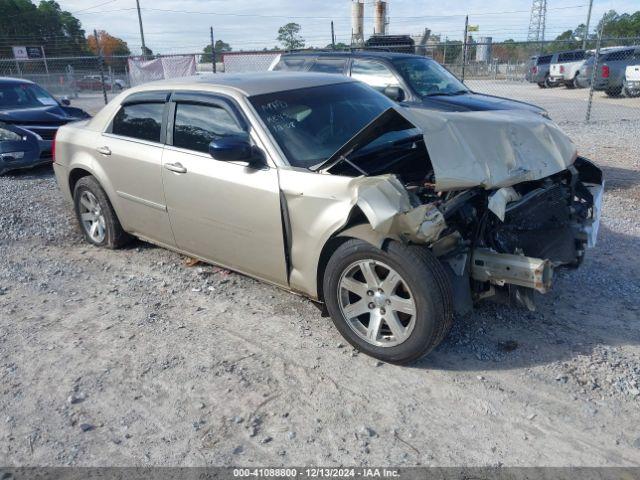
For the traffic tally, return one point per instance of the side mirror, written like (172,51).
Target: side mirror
(394,93)
(235,147)
(65,101)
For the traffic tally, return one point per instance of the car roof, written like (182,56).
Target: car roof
(11,80)
(353,54)
(249,84)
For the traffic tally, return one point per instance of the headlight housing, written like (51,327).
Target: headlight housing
(8,135)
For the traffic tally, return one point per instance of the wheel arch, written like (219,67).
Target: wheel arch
(357,227)
(81,170)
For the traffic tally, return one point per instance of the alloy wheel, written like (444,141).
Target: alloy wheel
(91,217)
(376,303)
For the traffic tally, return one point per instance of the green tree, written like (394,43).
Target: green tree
(22,22)
(339,46)
(221,47)
(289,36)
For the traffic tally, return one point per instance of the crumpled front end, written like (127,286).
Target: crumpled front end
(505,243)
(502,243)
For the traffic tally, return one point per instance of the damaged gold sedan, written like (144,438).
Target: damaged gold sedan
(389,218)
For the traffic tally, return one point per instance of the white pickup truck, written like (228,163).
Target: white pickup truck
(566,67)
(632,81)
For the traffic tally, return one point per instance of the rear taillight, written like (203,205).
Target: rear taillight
(53,147)
(605,71)
(561,68)
(534,70)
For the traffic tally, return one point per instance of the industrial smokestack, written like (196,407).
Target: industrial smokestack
(380,18)
(357,22)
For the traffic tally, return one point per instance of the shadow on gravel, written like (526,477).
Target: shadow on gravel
(41,171)
(620,178)
(591,308)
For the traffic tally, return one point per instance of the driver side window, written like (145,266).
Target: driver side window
(197,125)
(373,74)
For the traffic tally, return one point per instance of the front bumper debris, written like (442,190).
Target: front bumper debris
(503,268)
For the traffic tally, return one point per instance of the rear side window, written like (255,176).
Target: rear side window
(545,60)
(619,55)
(196,126)
(141,120)
(329,65)
(373,73)
(292,64)
(580,55)
(566,57)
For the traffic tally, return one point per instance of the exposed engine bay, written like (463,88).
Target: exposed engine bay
(501,241)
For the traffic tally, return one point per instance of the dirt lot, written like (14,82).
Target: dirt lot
(132,357)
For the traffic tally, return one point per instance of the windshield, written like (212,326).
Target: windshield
(429,78)
(311,124)
(24,95)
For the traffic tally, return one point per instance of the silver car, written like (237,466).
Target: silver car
(390,219)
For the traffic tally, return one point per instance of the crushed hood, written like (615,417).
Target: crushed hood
(491,149)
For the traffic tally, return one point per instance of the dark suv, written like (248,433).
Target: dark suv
(409,79)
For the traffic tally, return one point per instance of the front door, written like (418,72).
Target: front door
(226,212)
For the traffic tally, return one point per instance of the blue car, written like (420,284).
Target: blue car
(29,119)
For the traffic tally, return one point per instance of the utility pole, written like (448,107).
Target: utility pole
(144,47)
(333,37)
(464,45)
(444,53)
(213,50)
(594,72)
(101,66)
(586,31)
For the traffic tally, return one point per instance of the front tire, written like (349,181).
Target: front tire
(394,304)
(96,217)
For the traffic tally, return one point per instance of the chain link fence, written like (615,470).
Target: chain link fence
(89,82)
(537,73)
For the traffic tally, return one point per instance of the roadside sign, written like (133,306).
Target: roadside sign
(20,53)
(28,53)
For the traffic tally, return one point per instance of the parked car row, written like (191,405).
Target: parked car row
(616,73)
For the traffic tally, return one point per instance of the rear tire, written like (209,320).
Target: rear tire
(96,217)
(614,92)
(547,82)
(575,82)
(542,85)
(394,304)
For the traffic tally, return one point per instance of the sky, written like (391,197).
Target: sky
(183,25)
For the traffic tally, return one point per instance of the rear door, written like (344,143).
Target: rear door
(225,212)
(131,155)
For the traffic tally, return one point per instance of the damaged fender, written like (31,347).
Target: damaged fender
(317,211)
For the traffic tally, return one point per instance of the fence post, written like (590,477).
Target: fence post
(213,51)
(594,72)
(464,46)
(101,67)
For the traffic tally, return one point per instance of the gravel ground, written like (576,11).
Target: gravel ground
(132,357)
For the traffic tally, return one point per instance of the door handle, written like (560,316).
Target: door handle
(104,150)
(175,167)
